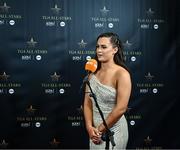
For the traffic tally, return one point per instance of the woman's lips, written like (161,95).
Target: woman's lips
(99,55)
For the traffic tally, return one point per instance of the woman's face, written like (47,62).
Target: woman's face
(105,50)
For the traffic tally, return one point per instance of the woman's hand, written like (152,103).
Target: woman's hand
(95,135)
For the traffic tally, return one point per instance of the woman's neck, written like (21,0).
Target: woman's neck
(106,66)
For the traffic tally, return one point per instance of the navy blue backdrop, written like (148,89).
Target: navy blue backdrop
(44,46)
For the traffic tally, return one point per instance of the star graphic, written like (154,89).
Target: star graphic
(127,44)
(55,77)
(54,143)
(4,8)
(30,109)
(31,43)
(150,12)
(3,144)
(4,76)
(149,76)
(56,9)
(80,109)
(104,10)
(148,141)
(82,44)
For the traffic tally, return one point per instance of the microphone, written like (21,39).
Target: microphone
(90,67)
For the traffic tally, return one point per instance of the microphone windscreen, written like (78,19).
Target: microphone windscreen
(91,65)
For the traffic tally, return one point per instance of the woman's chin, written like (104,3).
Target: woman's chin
(100,59)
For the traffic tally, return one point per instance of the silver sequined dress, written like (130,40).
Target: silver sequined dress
(106,97)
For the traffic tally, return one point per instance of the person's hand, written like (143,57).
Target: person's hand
(95,135)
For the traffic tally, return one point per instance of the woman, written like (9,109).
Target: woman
(111,83)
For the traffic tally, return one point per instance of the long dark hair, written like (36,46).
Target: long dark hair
(116,42)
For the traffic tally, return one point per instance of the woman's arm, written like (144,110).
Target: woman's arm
(93,132)
(88,110)
(123,94)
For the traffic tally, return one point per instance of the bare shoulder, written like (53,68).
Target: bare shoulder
(122,75)
(90,76)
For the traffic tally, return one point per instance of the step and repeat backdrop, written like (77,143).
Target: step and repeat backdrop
(44,46)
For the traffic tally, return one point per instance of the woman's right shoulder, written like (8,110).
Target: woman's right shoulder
(90,76)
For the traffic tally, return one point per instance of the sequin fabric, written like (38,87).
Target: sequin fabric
(106,97)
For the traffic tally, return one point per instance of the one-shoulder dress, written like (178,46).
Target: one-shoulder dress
(106,98)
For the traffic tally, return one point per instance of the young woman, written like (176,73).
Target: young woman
(111,83)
